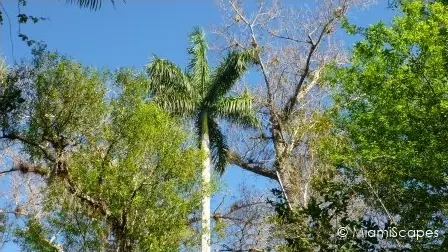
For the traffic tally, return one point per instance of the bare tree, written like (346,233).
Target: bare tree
(295,43)
(245,223)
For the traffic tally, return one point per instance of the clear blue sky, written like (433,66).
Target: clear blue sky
(112,37)
(128,35)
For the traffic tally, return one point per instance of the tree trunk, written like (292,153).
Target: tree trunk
(205,146)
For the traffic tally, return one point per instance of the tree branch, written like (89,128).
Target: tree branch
(24,140)
(287,110)
(97,204)
(71,186)
(27,168)
(275,35)
(236,159)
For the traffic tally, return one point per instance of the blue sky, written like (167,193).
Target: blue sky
(113,37)
(128,34)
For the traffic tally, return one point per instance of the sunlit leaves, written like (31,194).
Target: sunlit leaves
(120,151)
(391,106)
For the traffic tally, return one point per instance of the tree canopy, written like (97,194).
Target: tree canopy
(392,105)
(387,142)
(119,172)
(354,141)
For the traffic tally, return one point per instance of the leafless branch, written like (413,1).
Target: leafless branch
(236,159)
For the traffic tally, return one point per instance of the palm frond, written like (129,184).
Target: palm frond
(237,110)
(198,68)
(170,88)
(219,148)
(166,77)
(198,127)
(91,4)
(176,104)
(228,73)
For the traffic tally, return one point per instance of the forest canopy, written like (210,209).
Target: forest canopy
(338,147)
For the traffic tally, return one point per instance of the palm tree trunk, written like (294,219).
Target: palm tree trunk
(205,146)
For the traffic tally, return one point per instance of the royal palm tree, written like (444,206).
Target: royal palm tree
(202,94)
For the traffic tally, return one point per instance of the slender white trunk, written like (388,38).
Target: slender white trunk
(205,146)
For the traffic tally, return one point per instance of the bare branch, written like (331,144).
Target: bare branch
(306,72)
(236,159)
(24,140)
(27,168)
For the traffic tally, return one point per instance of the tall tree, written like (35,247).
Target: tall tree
(114,173)
(392,105)
(202,95)
(295,44)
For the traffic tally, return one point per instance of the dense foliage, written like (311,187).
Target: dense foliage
(391,108)
(101,162)
(119,172)
(392,105)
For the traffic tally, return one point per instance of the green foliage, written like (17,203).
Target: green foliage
(3,228)
(399,3)
(23,19)
(121,174)
(34,238)
(387,127)
(10,95)
(392,106)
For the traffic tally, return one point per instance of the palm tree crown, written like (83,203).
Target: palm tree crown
(202,94)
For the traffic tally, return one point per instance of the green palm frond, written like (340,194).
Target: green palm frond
(91,4)
(166,77)
(228,73)
(170,87)
(198,127)
(198,67)
(176,104)
(237,110)
(218,144)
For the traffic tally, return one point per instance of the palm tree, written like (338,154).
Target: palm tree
(202,95)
